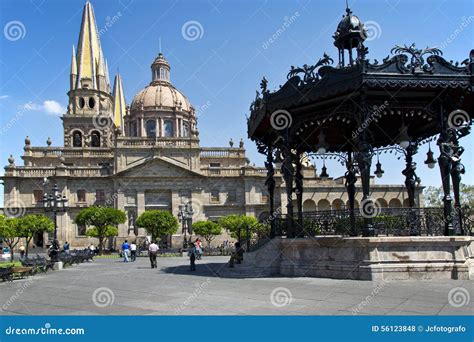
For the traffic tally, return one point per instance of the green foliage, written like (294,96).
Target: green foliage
(32,224)
(434,195)
(237,225)
(158,223)
(102,220)
(11,232)
(208,230)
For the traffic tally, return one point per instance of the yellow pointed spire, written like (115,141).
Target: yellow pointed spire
(119,102)
(89,53)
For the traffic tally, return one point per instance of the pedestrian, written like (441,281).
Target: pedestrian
(133,251)
(192,256)
(198,245)
(152,252)
(22,252)
(66,247)
(125,250)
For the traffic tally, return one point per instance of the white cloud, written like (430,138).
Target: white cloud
(4,97)
(53,107)
(49,106)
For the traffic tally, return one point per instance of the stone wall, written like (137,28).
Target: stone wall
(377,258)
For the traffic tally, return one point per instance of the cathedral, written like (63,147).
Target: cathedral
(146,156)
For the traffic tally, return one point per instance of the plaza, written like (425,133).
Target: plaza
(108,286)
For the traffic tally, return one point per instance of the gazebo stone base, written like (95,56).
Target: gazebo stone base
(367,258)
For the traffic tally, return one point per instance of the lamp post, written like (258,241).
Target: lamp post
(55,202)
(185,216)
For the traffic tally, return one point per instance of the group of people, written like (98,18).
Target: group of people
(129,251)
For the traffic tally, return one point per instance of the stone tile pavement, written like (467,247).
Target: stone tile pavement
(111,287)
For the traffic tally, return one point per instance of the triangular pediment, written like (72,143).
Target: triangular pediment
(158,167)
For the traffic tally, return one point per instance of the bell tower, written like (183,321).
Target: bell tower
(89,119)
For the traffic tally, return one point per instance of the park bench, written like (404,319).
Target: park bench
(22,272)
(6,273)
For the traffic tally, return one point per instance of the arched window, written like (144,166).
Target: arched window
(394,203)
(309,205)
(95,139)
(168,128)
(151,129)
(76,139)
(324,205)
(382,203)
(185,129)
(337,204)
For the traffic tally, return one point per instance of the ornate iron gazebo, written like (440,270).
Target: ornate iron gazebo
(359,108)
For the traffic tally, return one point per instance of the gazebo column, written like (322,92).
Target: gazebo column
(411,179)
(270,183)
(288,171)
(299,194)
(364,162)
(351,179)
(445,166)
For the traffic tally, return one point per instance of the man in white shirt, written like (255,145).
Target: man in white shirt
(152,252)
(133,251)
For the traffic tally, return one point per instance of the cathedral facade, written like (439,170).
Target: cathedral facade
(147,156)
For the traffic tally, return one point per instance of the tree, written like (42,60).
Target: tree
(158,223)
(103,221)
(33,224)
(208,230)
(239,225)
(11,232)
(434,195)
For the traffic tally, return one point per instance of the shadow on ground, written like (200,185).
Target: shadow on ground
(202,270)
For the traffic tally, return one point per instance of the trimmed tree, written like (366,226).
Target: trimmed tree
(103,221)
(239,225)
(11,232)
(158,223)
(208,230)
(33,224)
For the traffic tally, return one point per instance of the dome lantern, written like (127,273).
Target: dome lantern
(160,69)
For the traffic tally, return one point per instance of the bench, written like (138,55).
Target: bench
(6,273)
(21,272)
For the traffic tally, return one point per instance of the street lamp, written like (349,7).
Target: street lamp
(55,202)
(185,216)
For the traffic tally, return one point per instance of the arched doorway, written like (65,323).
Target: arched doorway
(394,203)
(309,205)
(337,204)
(324,205)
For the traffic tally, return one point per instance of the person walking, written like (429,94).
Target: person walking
(22,252)
(66,247)
(125,250)
(133,252)
(152,252)
(192,256)
(198,245)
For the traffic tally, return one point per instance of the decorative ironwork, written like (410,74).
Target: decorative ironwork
(309,71)
(417,61)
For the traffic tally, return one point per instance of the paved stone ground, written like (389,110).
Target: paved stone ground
(111,287)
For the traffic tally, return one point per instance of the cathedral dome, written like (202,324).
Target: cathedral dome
(160,94)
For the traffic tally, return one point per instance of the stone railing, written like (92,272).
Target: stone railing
(157,142)
(222,152)
(40,172)
(42,152)
(222,172)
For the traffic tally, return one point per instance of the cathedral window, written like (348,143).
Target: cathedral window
(91,102)
(82,102)
(95,139)
(215,196)
(77,139)
(81,196)
(133,129)
(185,129)
(168,128)
(232,196)
(151,129)
(38,195)
(81,230)
(100,197)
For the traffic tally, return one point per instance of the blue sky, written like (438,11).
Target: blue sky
(219,71)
